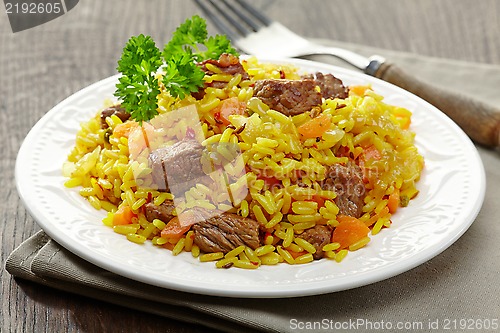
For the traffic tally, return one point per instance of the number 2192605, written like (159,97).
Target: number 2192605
(471,324)
(33,8)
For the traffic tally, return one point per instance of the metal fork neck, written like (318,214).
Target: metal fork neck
(374,64)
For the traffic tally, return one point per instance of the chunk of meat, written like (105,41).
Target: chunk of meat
(177,167)
(227,64)
(164,212)
(225,232)
(347,182)
(116,110)
(318,236)
(290,97)
(330,86)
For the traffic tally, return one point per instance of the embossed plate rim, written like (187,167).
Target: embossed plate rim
(421,231)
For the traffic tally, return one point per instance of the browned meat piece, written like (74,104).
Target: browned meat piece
(225,232)
(347,182)
(177,167)
(318,236)
(330,86)
(228,64)
(164,212)
(116,110)
(290,97)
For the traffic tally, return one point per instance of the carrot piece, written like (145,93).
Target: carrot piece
(169,246)
(315,127)
(227,108)
(318,199)
(270,181)
(123,216)
(349,231)
(139,138)
(297,254)
(404,123)
(124,129)
(393,201)
(371,152)
(375,217)
(345,218)
(403,117)
(174,229)
(358,90)
(193,216)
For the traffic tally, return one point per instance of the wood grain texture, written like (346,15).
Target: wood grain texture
(480,121)
(42,66)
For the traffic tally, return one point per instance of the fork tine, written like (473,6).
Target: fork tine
(237,25)
(255,26)
(261,17)
(223,28)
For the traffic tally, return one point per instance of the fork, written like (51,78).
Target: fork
(254,33)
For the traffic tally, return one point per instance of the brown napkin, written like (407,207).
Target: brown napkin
(460,283)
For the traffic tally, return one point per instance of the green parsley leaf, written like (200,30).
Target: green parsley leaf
(189,34)
(138,97)
(182,76)
(138,87)
(217,45)
(191,37)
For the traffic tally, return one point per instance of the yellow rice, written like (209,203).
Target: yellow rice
(100,165)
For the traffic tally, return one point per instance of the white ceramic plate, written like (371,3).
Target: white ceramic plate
(451,193)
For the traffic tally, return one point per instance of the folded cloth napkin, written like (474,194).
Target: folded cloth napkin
(460,283)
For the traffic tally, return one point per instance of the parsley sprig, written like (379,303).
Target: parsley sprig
(138,86)
(182,76)
(141,59)
(191,37)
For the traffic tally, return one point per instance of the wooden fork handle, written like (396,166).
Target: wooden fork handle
(480,121)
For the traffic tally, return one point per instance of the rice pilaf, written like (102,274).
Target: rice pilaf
(259,164)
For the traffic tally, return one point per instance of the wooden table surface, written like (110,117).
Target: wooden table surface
(41,66)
